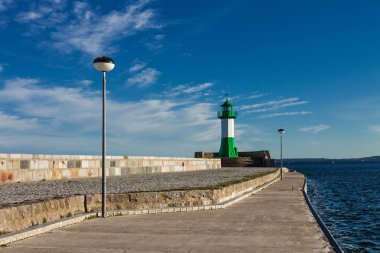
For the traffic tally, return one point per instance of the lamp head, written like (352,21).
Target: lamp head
(281,131)
(104,64)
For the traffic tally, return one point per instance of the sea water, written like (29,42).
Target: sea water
(346,195)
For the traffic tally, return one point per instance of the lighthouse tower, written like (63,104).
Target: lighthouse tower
(227,145)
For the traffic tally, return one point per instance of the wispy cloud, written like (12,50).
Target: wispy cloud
(1,68)
(29,16)
(75,26)
(283,114)
(271,103)
(46,116)
(274,105)
(43,15)
(278,106)
(315,129)
(374,128)
(85,83)
(189,89)
(137,66)
(144,78)
(155,42)
(257,95)
(16,123)
(197,88)
(4,4)
(98,32)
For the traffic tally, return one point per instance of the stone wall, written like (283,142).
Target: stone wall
(237,162)
(26,167)
(183,198)
(14,218)
(23,216)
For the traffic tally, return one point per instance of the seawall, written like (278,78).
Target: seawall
(28,167)
(320,222)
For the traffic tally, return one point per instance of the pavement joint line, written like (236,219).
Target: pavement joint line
(44,228)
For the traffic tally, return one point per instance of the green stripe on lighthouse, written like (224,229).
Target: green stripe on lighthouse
(228,148)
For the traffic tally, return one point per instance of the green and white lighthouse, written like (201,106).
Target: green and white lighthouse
(227,145)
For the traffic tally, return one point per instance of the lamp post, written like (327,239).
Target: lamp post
(281,132)
(104,64)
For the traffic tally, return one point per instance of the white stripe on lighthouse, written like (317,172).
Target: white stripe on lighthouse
(228,128)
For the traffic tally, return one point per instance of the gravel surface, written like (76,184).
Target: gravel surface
(16,193)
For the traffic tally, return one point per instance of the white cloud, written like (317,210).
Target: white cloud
(155,42)
(1,68)
(269,103)
(315,129)
(96,34)
(198,88)
(77,26)
(17,123)
(274,105)
(29,16)
(68,120)
(257,95)
(137,67)
(43,15)
(375,128)
(85,83)
(189,89)
(284,114)
(82,10)
(278,106)
(144,78)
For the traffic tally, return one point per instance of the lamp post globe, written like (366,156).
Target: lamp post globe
(281,131)
(104,64)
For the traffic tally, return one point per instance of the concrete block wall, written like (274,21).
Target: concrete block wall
(27,167)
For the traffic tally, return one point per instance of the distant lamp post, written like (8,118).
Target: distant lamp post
(281,132)
(104,64)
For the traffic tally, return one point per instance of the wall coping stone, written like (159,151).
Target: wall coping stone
(95,157)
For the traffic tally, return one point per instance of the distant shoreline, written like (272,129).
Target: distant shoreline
(330,160)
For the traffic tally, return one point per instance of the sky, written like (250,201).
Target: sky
(310,67)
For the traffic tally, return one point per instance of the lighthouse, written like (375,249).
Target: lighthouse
(227,144)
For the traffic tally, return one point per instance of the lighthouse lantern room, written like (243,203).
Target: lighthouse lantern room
(227,116)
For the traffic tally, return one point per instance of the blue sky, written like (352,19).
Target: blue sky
(311,67)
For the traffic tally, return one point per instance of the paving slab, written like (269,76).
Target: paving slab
(275,219)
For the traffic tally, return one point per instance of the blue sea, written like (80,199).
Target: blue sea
(346,195)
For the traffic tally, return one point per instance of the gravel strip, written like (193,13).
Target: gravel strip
(16,193)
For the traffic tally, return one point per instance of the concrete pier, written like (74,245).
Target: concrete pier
(275,219)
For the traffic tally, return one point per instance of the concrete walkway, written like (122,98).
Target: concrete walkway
(275,219)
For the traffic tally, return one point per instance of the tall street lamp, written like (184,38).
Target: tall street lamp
(104,64)
(281,132)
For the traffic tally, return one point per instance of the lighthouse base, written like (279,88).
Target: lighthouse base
(228,148)
(260,158)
